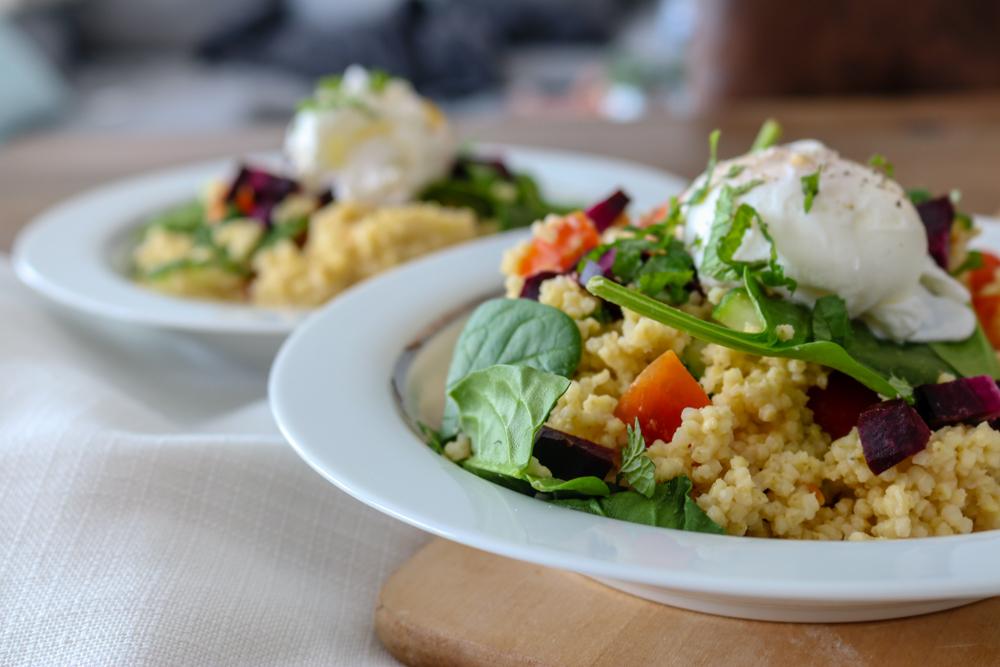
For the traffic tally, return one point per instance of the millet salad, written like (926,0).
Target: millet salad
(790,348)
(374,178)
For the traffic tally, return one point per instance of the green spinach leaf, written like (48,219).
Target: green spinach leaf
(584,486)
(669,506)
(501,408)
(971,357)
(516,332)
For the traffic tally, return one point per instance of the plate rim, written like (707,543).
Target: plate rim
(134,304)
(289,417)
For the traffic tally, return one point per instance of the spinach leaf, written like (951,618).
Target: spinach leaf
(501,408)
(637,468)
(669,506)
(517,332)
(971,357)
(585,486)
(768,135)
(916,363)
(830,320)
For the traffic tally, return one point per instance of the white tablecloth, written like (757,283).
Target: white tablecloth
(151,514)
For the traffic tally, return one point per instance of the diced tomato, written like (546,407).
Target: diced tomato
(244,199)
(658,396)
(837,408)
(657,215)
(560,244)
(987,305)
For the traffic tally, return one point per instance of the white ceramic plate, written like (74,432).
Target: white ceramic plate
(77,252)
(331,394)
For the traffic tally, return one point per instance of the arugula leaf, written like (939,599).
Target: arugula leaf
(768,135)
(826,353)
(902,387)
(810,188)
(830,320)
(971,357)
(713,147)
(516,332)
(878,161)
(637,468)
(501,408)
(670,506)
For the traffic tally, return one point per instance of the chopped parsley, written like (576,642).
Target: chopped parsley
(878,161)
(810,188)
(653,260)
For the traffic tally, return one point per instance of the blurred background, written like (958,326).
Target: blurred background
(206,65)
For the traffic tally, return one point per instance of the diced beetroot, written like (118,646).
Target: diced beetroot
(255,192)
(937,216)
(963,401)
(597,267)
(604,213)
(568,456)
(891,432)
(533,284)
(836,408)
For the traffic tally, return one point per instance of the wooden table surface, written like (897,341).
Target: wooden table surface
(939,142)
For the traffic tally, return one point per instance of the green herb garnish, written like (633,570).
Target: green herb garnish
(637,468)
(810,188)
(768,135)
(669,506)
(878,161)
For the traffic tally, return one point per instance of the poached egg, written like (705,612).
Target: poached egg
(370,139)
(862,240)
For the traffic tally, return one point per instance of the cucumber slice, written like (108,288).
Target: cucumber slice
(738,312)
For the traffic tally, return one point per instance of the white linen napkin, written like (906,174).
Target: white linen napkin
(151,514)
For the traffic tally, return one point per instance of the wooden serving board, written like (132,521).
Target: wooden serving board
(452,605)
